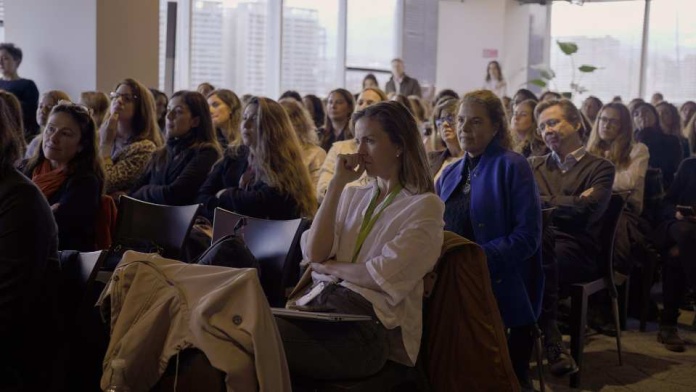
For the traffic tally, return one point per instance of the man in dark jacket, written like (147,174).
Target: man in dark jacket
(400,83)
(578,185)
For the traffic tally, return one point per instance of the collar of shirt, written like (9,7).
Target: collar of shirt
(570,159)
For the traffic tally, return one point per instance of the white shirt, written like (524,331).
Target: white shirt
(313,157)
(403,246)
(632,178)
(499,87)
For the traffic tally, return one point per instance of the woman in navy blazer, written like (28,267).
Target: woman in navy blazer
(491,198)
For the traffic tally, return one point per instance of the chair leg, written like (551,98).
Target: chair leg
(539,357)
(646,289)
(615,311)
(578,321)
(623,291)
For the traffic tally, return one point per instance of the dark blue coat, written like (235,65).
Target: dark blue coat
(505,214)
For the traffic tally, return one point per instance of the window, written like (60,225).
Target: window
(609,36)
(309,46)
(672,50)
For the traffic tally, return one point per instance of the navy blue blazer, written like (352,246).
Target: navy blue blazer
(505,215)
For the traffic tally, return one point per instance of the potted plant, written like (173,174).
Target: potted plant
(547,75)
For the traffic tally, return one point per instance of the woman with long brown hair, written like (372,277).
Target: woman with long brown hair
(523,127)
(226,111)
(339,107)
(312,155)
(179,168)
(129,136)
(276,183)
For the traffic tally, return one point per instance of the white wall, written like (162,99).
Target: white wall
(466,28)
(79,45)
(58,42)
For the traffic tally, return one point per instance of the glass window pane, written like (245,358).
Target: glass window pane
(609,36)
(671,61)
(310,35)
(371,37)
(229,44)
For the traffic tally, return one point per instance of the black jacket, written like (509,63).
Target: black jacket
(260,201)
(176,181)
(665,152)
(409,86)
(28,272)
(76,216)
(225,174)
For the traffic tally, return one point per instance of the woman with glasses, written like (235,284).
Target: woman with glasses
(178,169)
(491,198)
(443,119)
(523,126)
(68,171)
(129,136)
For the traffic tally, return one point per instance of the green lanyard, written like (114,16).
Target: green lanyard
(369,220)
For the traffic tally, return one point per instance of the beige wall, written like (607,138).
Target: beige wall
(79,45)
(128,42)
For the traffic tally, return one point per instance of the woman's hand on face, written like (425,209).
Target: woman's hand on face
(107,132)
(349,167)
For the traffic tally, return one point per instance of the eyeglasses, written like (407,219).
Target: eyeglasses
(124,96)
(440,121)
(548,124)
(609,121)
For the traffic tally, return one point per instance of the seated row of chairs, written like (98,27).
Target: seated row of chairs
(168,227)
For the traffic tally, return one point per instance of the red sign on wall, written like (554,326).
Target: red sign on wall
(490,53)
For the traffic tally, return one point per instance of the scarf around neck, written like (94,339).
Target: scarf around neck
(48,179)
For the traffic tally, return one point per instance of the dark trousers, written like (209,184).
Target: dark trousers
(679,273)
(520,344)
(335,350)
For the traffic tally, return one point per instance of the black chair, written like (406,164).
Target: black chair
(580,293)
(160,226)
(274,243)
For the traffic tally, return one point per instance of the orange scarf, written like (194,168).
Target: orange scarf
(49,180)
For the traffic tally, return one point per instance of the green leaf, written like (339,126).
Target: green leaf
(567,94)
(547,74)
(587,68)
(538,82)
(567,47)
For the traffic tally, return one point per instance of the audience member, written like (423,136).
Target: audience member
(402,99)
(368,97)
(657,98)
(129,137)
(28,272)
(444,94)
(24,89)
(634,103)
(494,79)
(161,101)
(48,100)
(665,150)
(291,94)
(312,155)
(370,81)
(670,122)
(339,108)
(15,111)
(98,104)
(677,233)
(578,185)
(205,88)
(549,95)
(276,183)
(590,108)
(377,267)
(444,118)
(522,95)
(527,141)
(316,110)
(226,112)
(612,138)
(686,112)
(690,133)
(178,169)
(400,83)
(491,198)
(68,171)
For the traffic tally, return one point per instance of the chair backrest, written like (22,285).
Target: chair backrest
(78,272)
(165,226)
(274,243)
(608,233)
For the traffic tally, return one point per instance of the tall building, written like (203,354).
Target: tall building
(206,44)
(304,46)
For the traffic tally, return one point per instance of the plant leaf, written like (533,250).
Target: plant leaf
(567,47)
(587,68)
(547,74)
(538,82)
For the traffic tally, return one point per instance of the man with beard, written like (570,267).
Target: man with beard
(578,185)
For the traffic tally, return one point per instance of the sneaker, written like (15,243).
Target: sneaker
(560,361)
(669,336)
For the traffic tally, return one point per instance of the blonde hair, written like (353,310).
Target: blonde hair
(278,156)
(620,148)
(400,125)
(301,121)
(98,103)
